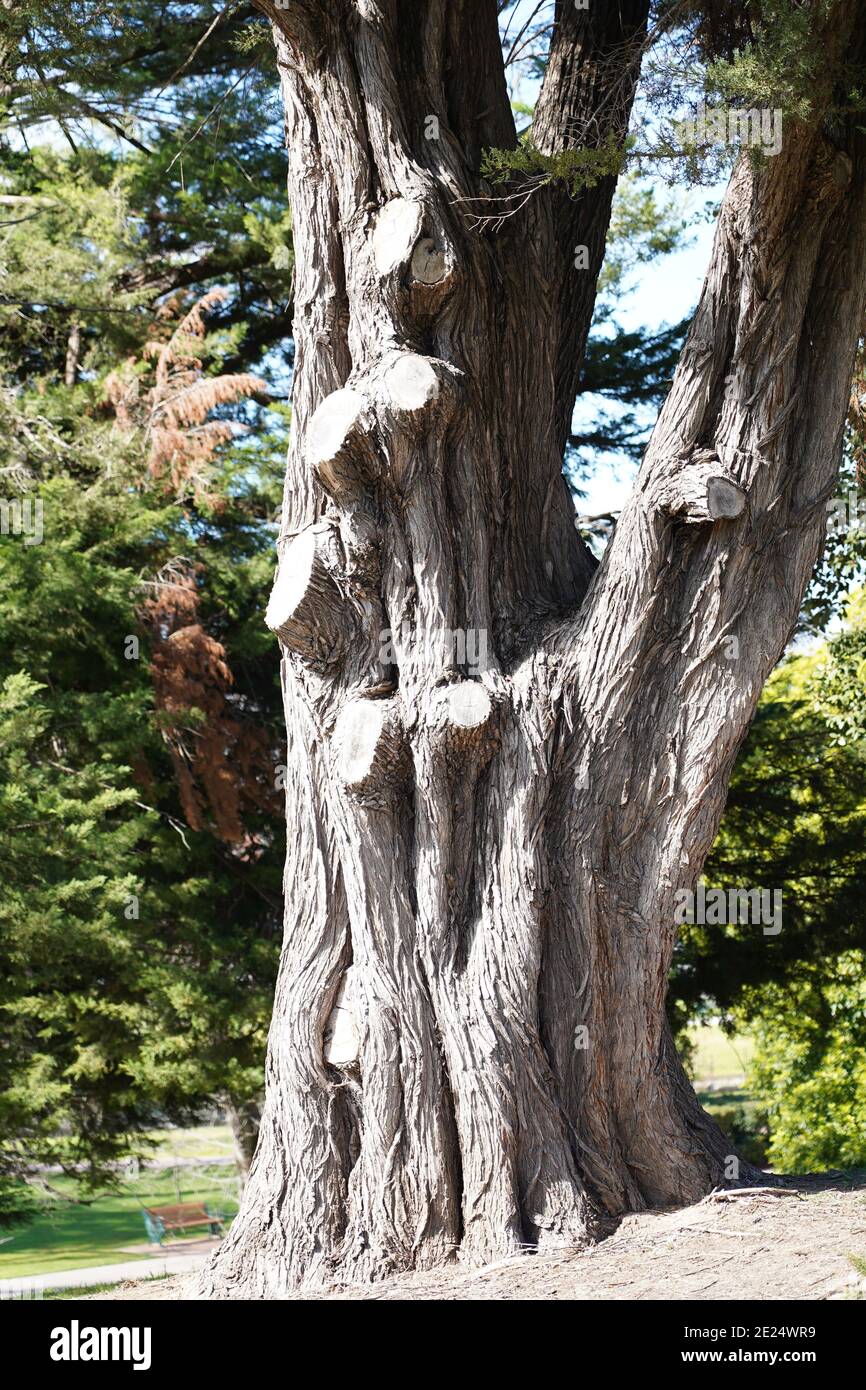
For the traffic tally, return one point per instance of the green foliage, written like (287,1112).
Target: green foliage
(68,989)
(748,1132)
(782,63)
(842,678)
(841,565)
(622,365)
(141,165)
(728,57)
(777,833)
(166,175)
(94,241)
(809,1066)
(796,820)
(644,225)
(137,952)
(573,169)
(118,66)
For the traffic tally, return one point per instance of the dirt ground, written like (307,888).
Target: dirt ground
(775,1244)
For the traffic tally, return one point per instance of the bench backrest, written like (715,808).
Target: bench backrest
(185,1212)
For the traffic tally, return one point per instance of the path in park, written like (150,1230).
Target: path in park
(28,1285)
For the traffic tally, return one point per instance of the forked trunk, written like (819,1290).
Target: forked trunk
(492,805)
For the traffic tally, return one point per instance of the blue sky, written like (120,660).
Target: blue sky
(665,292)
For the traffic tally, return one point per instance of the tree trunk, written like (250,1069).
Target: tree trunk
(73,354)
(244,1118)
(469,1052)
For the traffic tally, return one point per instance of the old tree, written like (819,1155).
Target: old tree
(469,1053)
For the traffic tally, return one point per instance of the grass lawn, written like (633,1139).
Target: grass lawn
(204,1141)
(719,1101)
(718,1055)
(75,1237)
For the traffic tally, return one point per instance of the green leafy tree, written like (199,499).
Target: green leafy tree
(139,945)
(810,1064)
(140,169)
(69,988)
(796,821)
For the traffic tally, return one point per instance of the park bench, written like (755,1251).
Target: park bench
(159,1220)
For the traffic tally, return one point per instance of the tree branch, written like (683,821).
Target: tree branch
(592,68)
(700,489)
(586,100)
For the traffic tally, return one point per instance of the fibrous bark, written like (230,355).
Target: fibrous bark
(469,1052)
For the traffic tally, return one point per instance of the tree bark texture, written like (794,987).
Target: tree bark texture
(469,1054)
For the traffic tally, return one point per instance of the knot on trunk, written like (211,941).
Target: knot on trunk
(429,264)
(699,488)
(461,722)
(401,397)
(339,443)
(306,609)
(372,754)
(414,394)
(396,231)
(405,243)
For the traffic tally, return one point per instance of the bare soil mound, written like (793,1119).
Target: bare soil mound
(795,1242)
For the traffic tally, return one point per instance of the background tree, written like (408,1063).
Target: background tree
(141,822)
(795,822)
(68,986)
(140,167)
